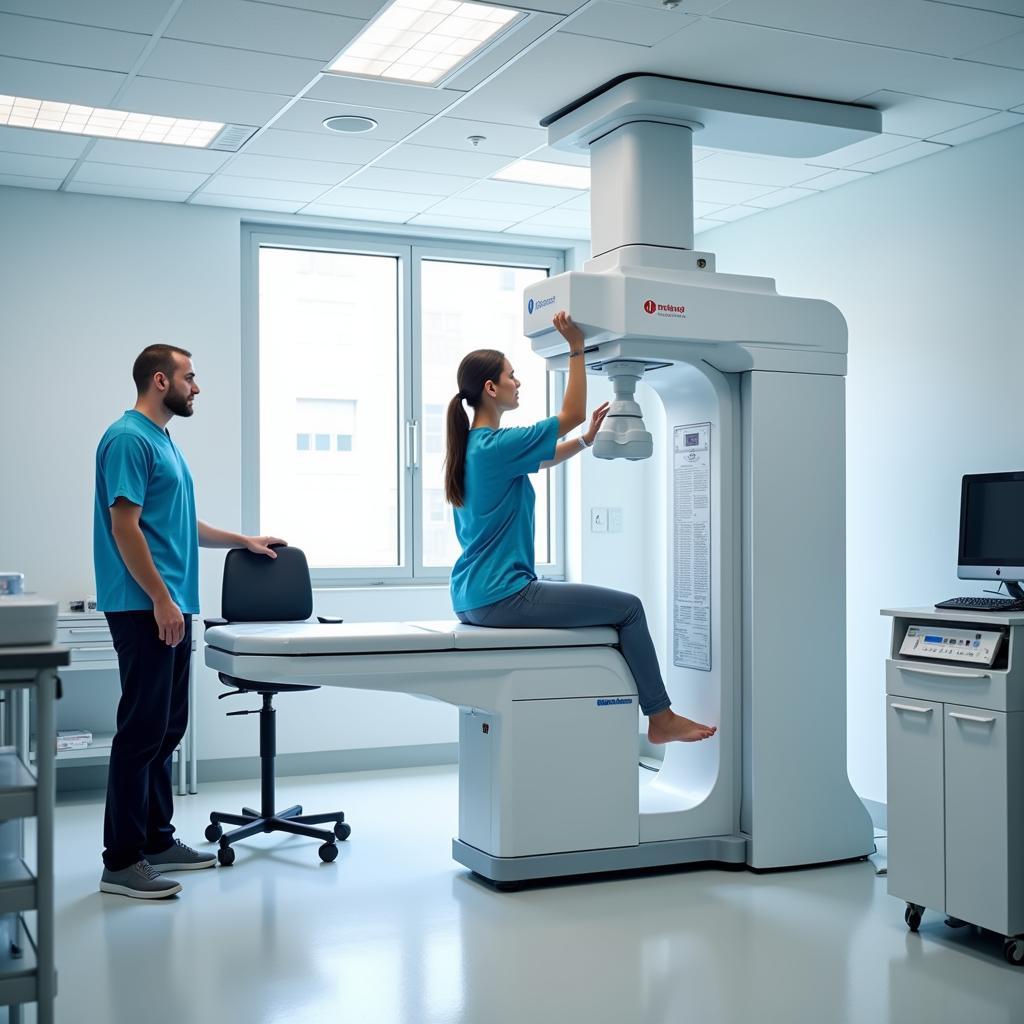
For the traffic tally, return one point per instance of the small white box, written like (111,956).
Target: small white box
(26,620)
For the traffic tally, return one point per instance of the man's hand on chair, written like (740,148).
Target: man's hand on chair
(262,545)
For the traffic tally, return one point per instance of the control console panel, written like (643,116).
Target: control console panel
(969,646)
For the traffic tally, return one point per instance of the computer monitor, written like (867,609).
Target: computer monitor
(992,529)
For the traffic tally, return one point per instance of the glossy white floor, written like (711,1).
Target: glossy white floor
(394,932)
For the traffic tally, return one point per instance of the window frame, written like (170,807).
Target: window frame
(410,252)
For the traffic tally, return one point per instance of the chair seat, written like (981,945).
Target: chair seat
(251,686)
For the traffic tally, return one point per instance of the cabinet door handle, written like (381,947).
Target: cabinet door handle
(89,629)
(911,707)
(971,718)
(92,647)
(918,670)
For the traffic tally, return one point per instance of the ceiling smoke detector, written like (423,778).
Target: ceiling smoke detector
(350,124)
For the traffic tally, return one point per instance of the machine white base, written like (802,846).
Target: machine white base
(729,851)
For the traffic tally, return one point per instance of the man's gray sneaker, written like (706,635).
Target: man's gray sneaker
(180,857)
(141,881)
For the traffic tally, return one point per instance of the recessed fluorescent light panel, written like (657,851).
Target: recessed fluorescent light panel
(20,112)
(542,172)
(422,41)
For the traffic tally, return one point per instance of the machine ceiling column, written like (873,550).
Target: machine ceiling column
(642,187)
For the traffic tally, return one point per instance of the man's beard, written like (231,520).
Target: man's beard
(178,404)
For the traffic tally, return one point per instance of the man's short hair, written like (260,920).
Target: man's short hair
(155,359)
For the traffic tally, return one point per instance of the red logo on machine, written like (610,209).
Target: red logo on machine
(650,306)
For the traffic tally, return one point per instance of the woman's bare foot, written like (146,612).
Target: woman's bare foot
(666,726)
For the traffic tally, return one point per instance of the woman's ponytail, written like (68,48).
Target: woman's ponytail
(475,371)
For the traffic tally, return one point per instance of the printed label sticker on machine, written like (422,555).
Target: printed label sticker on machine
(973,646)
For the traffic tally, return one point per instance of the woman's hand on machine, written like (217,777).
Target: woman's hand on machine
(596,419)
(568,330)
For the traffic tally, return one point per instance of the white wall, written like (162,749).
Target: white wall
(926,263)
(85,283)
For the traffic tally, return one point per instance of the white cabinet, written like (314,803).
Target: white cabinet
(955,758)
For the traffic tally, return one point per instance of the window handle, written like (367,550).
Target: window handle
(412,444)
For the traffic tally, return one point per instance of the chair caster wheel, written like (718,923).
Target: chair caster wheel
(213,832)
(226,856)
(1013,951)
(912,915)
(342,830)
(328,852)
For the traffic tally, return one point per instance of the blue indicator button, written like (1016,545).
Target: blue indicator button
(933,640)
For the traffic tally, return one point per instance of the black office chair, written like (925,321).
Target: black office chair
(261,589)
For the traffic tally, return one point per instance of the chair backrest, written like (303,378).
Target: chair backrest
(261,589)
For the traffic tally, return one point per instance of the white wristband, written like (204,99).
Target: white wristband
(583,443)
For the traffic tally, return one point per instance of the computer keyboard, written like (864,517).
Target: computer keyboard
(984,604)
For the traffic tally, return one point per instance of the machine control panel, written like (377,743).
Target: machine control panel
(971,646)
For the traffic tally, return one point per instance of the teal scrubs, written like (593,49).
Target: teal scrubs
(137,460)
(495,525)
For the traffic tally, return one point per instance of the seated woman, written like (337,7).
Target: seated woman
(486,481)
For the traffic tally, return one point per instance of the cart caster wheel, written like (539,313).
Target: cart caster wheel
(342,830)
(955,922)
(328,852)
(226,856)
(213,832)
(508,886)
(912,915)
(1013,951)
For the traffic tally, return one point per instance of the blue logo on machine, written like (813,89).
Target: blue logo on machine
(529,306)
(603,702)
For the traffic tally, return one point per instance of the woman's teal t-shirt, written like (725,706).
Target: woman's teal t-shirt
(495,525)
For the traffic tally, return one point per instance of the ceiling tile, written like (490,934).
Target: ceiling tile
(581,202)
(700,225)
(229,185)
(309,116)
(329,146)
(476,210)
(378,199)
(561,217)
(23,181)
(31,140)
(698,7)
(986,126)
(128,191)
(833,179)
(643,26)
(390,95)
(410,181)
(726,192)
(754,170)
(229,68)
(138,16)
(780,197)
(504,49)
(707,209)
(1002,6)
(60,43)
(55,82)
(905,25)
(147,154)
(409,157)
(355,213)
(576,157)
(441,221)
(879,145)
(540,228)
(30,165)
(500,139)
(203,102)
(1007,53)
(349,8)
(249,203)
(520,192)
(921,117)
(549,6)
(264,27)
(732,213)
(317,172)
(139,177)
(900,156)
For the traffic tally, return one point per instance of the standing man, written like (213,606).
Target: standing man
(146,540)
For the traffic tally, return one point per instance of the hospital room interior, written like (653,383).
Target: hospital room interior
(512,511)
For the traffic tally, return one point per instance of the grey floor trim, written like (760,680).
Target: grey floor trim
(710,849)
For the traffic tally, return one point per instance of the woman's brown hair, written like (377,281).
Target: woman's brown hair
(474,372)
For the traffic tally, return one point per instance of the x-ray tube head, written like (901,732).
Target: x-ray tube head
(623,434)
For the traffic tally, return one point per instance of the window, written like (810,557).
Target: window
(351,352)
